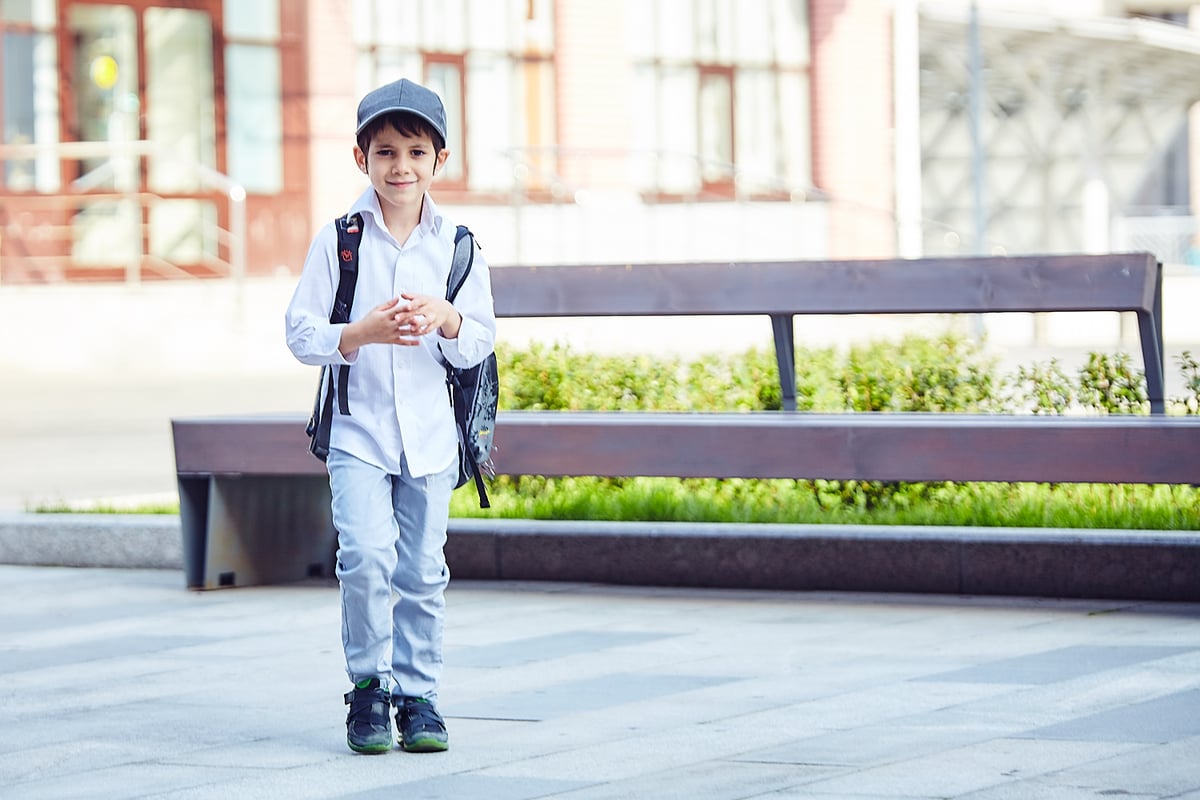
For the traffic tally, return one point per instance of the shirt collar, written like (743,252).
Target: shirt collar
(368,203)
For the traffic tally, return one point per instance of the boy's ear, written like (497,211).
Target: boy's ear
(360,158)
(442,155)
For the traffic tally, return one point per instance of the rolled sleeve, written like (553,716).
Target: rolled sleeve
(477,335)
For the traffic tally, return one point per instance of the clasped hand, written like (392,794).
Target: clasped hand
(404,320)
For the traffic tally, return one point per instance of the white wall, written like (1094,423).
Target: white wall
(617,229)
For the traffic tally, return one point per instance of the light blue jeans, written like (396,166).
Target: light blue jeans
(392,571)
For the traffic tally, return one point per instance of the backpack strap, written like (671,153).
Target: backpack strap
(464,258)
(349,235)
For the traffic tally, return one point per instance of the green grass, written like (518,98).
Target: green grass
(1018,505)
(63,507)
(834,503)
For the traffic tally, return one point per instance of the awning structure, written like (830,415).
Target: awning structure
(1073,107)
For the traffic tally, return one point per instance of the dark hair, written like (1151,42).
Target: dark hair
(405,124)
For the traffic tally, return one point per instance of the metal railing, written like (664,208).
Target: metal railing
(569,174)
(86,191)
(1172,236)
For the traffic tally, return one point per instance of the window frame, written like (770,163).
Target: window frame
(457,145)
(725,183)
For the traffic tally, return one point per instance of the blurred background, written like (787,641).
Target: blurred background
(164,166)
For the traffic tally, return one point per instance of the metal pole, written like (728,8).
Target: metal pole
(907,112)
(978,174)
(237,233)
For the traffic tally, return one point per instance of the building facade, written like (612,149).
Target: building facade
(150,140)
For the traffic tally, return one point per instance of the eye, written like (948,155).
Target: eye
(384,152)
(417,152)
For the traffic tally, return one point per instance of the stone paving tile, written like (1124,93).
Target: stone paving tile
(870,745)
(958,771)
(1062,664)
(1022,710)
(1164,719)
(1165,770)
(607,692)
(1168,771)
(150,780)
(555,645)
(806,793)
(457,787)
(586,692)
(710,781)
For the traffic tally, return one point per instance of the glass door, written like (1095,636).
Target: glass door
(181,121)
(142,73)
(103,68)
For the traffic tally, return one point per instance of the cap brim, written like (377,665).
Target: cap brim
(384,112)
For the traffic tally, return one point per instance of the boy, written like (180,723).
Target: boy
(393,459)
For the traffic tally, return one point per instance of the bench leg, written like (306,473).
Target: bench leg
(252,531)
(193,521)
(785,358)
(1150,332)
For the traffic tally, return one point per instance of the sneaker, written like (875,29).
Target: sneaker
(368,727)
(422,729)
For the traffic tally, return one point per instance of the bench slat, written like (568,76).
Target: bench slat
(256,445)
(1117,282)
(890,447)
(887,447)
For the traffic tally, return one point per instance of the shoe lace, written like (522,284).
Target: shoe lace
(422,716)
(367,705)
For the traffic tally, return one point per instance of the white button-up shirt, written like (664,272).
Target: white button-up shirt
(397,394)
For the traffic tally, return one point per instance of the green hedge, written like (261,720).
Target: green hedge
(947,373)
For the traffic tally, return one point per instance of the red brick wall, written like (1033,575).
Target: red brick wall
(332,102)
(593,90)
(852,123)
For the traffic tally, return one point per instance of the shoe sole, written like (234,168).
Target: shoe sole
(370,749)
(424,746)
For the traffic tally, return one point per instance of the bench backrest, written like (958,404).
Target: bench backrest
(782,289)
(1111,282)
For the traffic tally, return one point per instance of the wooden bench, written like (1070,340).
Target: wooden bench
(254,503)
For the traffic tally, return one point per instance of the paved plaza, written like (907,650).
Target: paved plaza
(120,683)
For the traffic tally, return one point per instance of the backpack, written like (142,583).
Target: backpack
(473,391)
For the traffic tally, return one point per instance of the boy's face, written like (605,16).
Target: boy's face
(401,167)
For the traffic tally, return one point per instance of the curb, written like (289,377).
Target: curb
(1031,562)
(135,541)
(1037,562)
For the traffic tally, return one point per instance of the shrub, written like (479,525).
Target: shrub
(1190,401)
(1043,389)
(917,374)
(1111,385)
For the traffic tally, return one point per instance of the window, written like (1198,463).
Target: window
(253,95)
(445,76)
(29,83)
(491,62)
(715,124)
(727,82)
(179,97)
